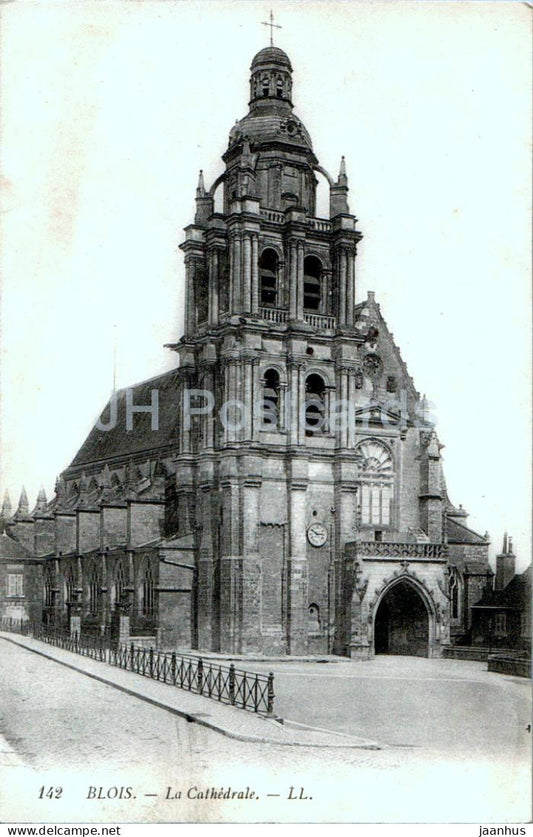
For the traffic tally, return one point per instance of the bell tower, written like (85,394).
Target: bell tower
(269,345)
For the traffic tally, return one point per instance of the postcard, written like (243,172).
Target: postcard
(265,417)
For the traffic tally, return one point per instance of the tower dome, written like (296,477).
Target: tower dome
(271,55)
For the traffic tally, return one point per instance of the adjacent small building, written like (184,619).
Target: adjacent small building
(21,588)
(502,616)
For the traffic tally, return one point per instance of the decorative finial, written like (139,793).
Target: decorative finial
(510,546)
(24,506)
(272,27)
(6,506)
(342,180)
(200,189)
(40,505)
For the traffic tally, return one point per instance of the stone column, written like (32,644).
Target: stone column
(189,295)
(251,566)
(205,569)
(300,282)
(213,287)
(231,569)
(210,417)
(282,424)
(246,434)
(246,304)
(342,432)
(350,290)
(345,528)
(185,429)
(342,287)
(297,583)
(293,281)
(255,273)
(235,274)
(294,402)
(351,410)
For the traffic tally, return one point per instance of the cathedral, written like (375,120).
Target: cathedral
(280,491)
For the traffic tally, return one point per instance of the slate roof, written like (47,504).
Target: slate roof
(102,445)
(12,550)
(516,595)
(458,533)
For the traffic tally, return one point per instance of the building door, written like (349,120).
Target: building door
(402,623)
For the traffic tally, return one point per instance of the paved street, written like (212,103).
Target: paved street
(63,729)
(444,705)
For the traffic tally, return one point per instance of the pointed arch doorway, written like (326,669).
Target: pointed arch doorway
(402,622)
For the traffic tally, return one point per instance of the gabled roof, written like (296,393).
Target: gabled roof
(370,311)
(102,445)
(458,533)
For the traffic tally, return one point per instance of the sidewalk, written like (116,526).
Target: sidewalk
(230,721)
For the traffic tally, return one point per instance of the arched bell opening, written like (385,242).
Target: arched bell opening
(403,622)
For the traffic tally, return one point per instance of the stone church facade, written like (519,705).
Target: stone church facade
(281,491)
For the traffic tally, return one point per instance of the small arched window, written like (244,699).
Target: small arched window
(270,414)
(315,404)
(312,284)
(268,278)
(279,88)
(314,617)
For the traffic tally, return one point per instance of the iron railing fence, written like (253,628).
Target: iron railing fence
(236,687)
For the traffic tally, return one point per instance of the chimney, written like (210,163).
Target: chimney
(505,564)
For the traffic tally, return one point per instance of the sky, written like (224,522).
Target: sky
(108,111)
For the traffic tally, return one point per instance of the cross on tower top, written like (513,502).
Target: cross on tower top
(272,27)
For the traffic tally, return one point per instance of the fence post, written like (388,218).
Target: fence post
(200,677)
(270,694)
(151,658)
(232,684)
(132,655)
(173,667)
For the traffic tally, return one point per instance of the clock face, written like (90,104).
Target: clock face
(317,534)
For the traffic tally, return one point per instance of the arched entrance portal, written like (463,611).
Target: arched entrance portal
(402,622)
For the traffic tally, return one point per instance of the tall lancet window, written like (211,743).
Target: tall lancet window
(376,478)
(48,587)
(268,278)
(147,591)
(312,284)
(69,585)
(455,593)
(92,590)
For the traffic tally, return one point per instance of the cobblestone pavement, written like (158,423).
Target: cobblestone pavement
(63,729)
